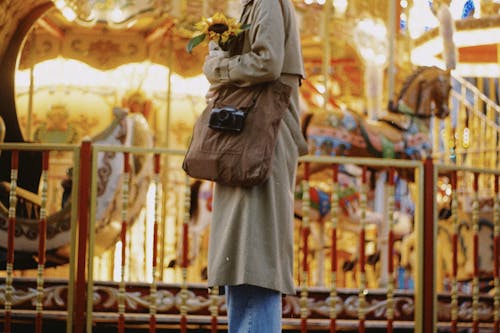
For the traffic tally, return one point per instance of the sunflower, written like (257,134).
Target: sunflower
(219,29)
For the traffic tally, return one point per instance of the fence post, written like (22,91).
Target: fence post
(84,183)
(428,286)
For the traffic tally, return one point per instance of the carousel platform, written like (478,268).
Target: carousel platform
(200,303)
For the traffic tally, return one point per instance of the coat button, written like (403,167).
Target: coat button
(227,259)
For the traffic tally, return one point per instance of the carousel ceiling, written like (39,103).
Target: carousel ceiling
(157,31)
(105,36)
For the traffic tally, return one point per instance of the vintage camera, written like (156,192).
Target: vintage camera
(227,119)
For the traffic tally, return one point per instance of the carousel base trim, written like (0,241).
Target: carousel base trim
(199,302)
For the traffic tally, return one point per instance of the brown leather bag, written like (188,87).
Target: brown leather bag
(244,158)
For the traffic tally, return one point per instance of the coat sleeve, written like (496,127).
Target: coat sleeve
(264,61)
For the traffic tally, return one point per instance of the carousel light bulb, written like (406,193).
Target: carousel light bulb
(340,6)
(117,15)
(321,2)
(60,4)
(466,138)
(370,37)
(308,2)
(69,14)
(420,19)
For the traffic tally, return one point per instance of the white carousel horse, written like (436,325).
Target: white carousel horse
(125,130)
(348,226)
(200,215)
(444,261)
(130,130)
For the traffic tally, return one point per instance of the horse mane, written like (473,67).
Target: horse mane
(409,80)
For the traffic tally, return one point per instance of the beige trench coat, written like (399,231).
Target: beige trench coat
(251,236)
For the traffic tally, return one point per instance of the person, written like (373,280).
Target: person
(251,236)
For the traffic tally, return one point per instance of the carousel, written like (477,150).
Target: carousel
(397,205)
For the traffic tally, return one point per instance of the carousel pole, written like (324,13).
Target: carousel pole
(475,250)
(30,102)
(333,252)
(390,252)
(32,85)
(166,141)
(42,238)
(326,52)
(11,227)
(153,287)
(362,255)
(454,281)
(304,269)
(496,252)
(381,188)
(185,258)
(327,8)
(391,68)
(123,238)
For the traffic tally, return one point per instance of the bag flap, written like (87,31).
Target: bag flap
(240,98)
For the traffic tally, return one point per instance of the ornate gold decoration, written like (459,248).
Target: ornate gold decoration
(115,13)
(104,51)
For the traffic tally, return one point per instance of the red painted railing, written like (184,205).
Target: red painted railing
(308,319)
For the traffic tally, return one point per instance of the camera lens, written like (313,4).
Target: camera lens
(223,115)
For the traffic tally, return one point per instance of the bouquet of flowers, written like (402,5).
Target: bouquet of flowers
(217,28)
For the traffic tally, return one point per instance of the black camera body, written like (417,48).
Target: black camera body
(227,118)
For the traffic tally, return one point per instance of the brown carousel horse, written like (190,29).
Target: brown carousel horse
(402,133)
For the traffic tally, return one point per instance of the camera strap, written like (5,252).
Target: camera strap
(259,88)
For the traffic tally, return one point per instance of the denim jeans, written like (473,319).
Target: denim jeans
(253,309)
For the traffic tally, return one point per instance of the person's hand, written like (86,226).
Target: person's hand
(214,50)
(213,61)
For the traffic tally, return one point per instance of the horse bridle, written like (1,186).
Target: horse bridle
(422,84)
(399,108)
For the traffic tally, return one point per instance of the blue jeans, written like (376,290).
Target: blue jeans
(253,309)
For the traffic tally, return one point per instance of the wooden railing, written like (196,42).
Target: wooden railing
(166,299)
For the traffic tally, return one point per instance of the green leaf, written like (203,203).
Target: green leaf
(245,26)
(195,41)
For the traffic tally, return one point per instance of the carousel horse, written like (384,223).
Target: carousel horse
(402,133)
(125,130)
(348,224)
(465,255)
(200,215)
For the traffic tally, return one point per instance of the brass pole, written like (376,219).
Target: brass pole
(326,52)
(31,87)
(392,37)
(165,169)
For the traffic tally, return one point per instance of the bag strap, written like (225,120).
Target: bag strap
(254,99)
